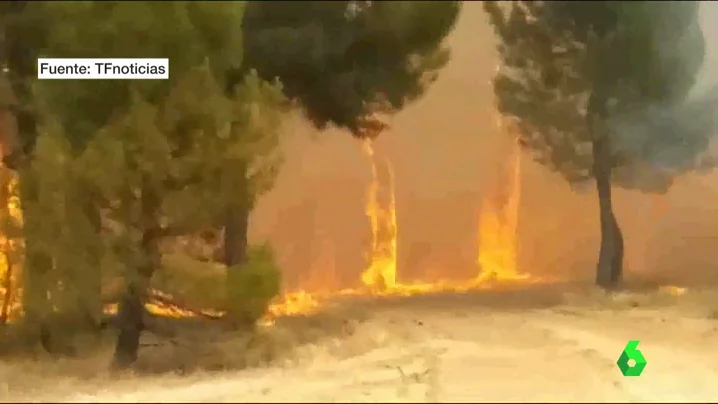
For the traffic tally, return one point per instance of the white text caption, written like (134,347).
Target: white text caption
(103,69)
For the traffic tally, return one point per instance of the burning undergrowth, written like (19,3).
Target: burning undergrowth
(189,286)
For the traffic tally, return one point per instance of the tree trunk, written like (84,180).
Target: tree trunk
(237,216)
(131,320)
(235,236)
(235,247)
(132,304)
(609,269)
(237,223)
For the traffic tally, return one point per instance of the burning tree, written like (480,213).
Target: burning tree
(162,158)
(155,158)
(601,91)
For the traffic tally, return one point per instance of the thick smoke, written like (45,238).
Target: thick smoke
(675,136)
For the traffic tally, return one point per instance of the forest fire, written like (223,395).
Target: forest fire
(381,274)
(496,253)
(498,228)
(496,260)
(8,268)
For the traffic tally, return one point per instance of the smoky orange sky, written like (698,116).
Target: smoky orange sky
(447,153)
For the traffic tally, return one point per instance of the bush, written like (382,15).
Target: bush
(196,283)
(252,286)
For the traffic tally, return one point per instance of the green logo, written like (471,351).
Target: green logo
(631,362)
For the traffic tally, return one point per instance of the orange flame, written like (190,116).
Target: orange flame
(497,256)
(9,295)
(498,229)
(381,273)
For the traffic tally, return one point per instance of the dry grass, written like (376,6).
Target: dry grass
(185,346)
(646,294)
(403,350)
(211,346)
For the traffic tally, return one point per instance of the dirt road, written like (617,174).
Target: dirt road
(467,349)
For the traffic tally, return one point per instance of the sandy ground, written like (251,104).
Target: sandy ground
(534,345)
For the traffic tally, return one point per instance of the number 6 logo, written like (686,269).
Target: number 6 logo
(631,362)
